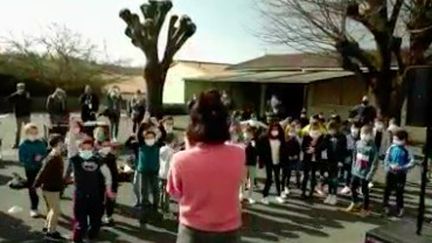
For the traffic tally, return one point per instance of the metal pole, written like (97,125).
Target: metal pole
(421,209)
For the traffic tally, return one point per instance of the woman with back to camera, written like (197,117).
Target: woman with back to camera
(205,178)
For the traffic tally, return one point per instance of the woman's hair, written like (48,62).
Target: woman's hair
(29,127)
(208,120)
(276,125)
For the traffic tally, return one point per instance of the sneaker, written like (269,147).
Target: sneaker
(114,140)
(286,191)
(333,200)
(386,211)
(265,201)
(371,185)
(34,213)
(346,190)
(320,192)
(400,213)
(109,222)
(55,236)
(280,200)
(251,201)
(327,200)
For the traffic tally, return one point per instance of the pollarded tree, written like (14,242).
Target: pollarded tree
(145,35)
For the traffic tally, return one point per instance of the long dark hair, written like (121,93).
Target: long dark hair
(208,120)
(279,128)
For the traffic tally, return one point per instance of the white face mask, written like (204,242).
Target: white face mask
(105,150)
(379,126)
(32,138)
(150,142)
(332,132)
(86,154)
(397,141)
(292,134)
(274,133)
(365,137)
(169,129)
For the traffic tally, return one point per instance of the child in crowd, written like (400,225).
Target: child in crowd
(336,145)
(251,159)
(92,179)
(273,154)
(293,152)
(397,163)
(31,153)
(132,146)
(168,125)
(312,146)
(363,169)
(50,178)
(148,169)
(105,151)
(351,139)
(166,153)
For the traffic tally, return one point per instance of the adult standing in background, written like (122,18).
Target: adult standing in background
(56,107)
(89,105)
(137,109)
(21,102)
(365,113)
(227,101)
(206,178)
(113,111)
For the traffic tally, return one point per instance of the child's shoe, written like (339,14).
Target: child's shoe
(327,200)
(333,200)
(365,213)
(280,200)
(265,201)
(346,190)
(251,201)
(400,213)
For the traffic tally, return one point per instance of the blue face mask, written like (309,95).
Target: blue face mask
(86,154)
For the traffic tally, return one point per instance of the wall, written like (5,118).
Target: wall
(336,95)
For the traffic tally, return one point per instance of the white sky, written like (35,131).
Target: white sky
(224,34)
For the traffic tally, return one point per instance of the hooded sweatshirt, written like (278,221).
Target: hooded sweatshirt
(29,151)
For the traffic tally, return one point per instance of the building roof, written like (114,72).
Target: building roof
(289,62)
(289,77)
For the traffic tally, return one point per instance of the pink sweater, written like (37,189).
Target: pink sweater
(206,180)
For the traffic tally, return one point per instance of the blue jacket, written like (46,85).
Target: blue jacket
(148,158)
(400,156)
(29,151)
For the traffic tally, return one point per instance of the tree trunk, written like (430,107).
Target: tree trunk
(154,77)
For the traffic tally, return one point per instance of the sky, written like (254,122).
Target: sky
(226,29)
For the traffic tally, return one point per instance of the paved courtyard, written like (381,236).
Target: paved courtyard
(295,221)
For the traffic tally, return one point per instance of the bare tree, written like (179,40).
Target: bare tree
(145,35)
(342,27)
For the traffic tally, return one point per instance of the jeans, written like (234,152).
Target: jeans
(189,235)
(115,123)
(164,196)
(34,198)
(395,182)
(287,172)
(52,200)
(20,121)
(270,170)
(137,187)
(309,171)
(149,184)
(364,184)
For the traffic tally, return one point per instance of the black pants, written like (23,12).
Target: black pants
(189,235)
(395,182)
(109,206)
(270,170)
(355,185)
(115,123)
(34,198)
(332,179)
(309,172)
(346,171)
(287,170)
(136,122)
(87,209)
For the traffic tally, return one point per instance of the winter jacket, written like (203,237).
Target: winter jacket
(21,104)
(56,105)
(293,149)
(251,153)
(137,108)
(114,105)
(336,147)
(400,156)
(365,160)
(50,177)
(89,106)
(318,145)
(32,153)
(265,154)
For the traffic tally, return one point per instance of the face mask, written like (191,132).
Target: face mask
(274,133)
(354,133)
(20,91)
(76,130)
(105,150)
(397,141)
(85,154)
(332,132)
(314,134)
(379,126)
(32,138)
(292,134)
(365,137)
(150,142)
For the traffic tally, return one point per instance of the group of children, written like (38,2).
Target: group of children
(326,154)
